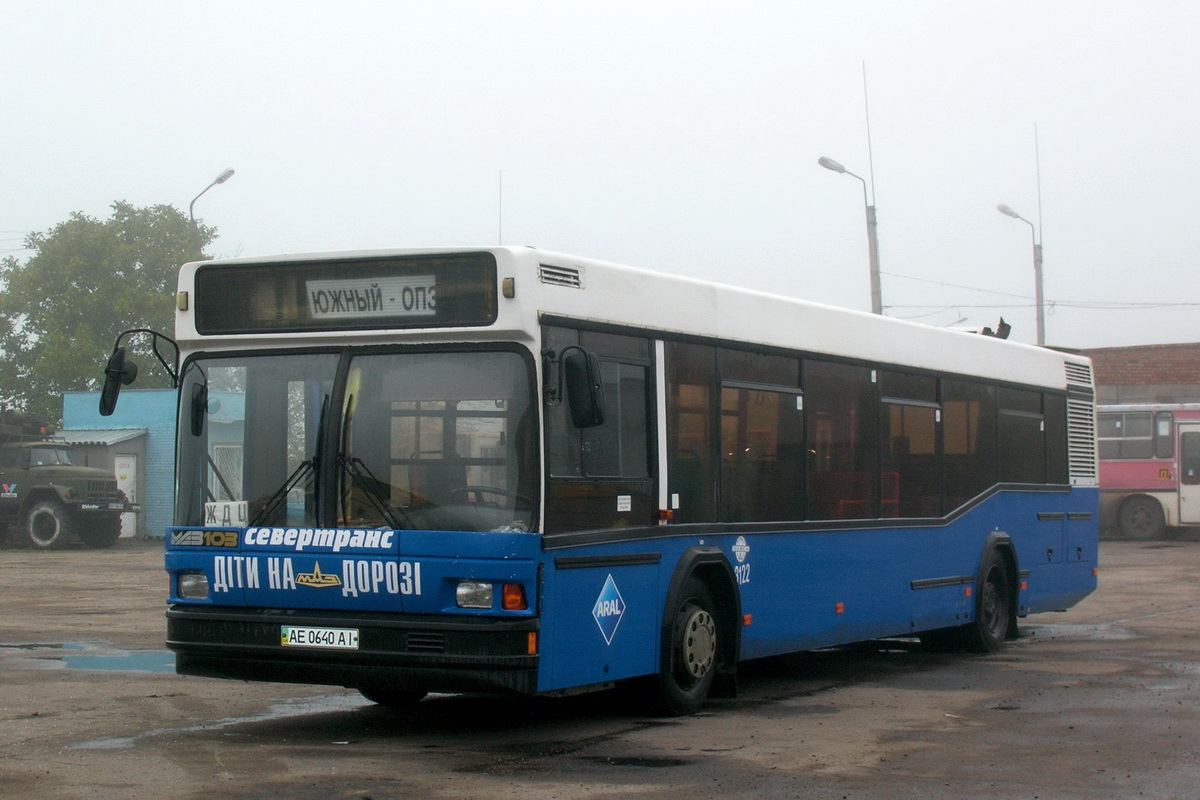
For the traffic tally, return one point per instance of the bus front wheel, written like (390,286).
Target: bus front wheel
(684,683)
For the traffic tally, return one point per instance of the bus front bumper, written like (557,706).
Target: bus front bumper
(399,652)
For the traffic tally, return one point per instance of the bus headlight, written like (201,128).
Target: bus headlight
(192,586)
(473,594)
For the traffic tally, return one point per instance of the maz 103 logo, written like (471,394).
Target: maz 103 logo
(204,538)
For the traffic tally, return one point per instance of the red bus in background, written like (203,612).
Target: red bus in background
(1149,467)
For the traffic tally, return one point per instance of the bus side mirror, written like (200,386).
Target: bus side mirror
(199,408)
(585,388)
(117,373)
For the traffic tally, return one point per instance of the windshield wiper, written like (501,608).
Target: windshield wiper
(304,469)
(361,477)
(274,501)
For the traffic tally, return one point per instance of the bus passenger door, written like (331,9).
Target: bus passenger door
(1189,474)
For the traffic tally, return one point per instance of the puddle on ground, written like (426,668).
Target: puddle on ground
(141,661)
(86,656)
(636,761)
(289,708)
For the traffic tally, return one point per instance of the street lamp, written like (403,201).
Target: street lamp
(1037,270)
(872,235)
(224,176)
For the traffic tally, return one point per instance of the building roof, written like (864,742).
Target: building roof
(106,438)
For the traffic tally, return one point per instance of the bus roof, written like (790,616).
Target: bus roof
(559,285)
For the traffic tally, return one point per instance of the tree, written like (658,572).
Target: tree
(61,310)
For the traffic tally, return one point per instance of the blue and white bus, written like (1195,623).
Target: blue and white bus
(511,470)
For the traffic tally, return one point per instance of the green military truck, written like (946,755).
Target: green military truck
(45,499)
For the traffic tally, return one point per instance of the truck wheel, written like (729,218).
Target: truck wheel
(49,526)
(102,532)
(1141,517)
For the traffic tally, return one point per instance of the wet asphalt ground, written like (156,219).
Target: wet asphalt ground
(1100,702)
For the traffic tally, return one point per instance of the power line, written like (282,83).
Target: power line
(1085,304)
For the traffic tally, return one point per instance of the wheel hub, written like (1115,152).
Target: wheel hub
(699,643)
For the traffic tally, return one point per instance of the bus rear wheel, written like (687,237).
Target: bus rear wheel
(1141,518)
(684,683)
(993,608)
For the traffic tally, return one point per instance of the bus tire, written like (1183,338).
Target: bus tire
(1141,517)
(102,532)
(49,526)
(993,607)
(684,683)
(393,698)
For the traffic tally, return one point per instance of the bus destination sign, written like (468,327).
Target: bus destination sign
(363,298)
(370,293)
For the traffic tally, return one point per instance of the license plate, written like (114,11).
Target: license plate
(329,638)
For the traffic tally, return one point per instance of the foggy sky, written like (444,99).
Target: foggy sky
(675,136)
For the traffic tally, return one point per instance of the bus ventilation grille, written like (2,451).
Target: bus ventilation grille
(561,276)
(425,643)
(1081,425)
(1081,441)
(1080,374)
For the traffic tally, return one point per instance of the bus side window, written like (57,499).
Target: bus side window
(600,476)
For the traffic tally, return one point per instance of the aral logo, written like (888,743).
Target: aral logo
(609,609)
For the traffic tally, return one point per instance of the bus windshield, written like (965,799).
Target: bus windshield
(441,441)
(421,440)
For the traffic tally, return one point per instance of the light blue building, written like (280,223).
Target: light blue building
(137,442)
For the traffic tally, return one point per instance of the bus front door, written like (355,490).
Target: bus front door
(1189,474)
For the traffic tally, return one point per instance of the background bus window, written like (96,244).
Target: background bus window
(1164,435)
(843,441)
(969,440)
(1126,435)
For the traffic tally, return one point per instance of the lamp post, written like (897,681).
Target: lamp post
(872,235)
(224,176)
(1037,270)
